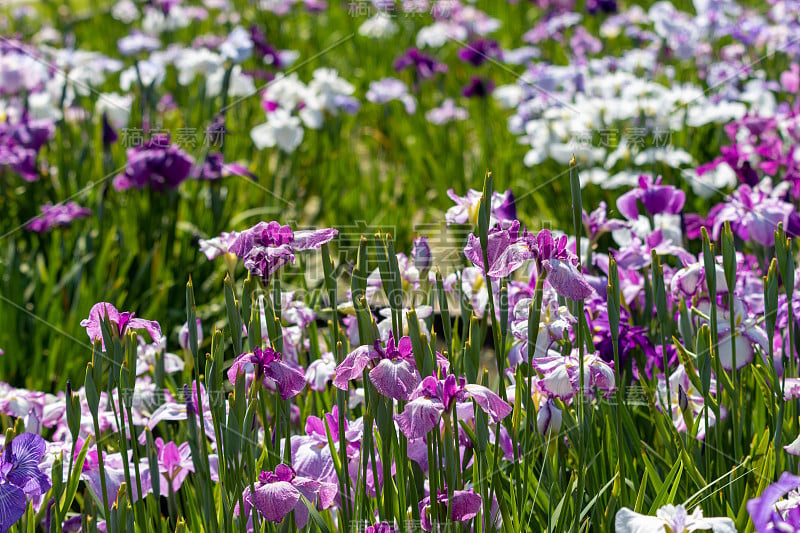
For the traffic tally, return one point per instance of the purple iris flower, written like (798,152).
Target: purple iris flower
(790,79)
(20,477)
(382,527)
(109,135)
(183,334)
(735,156)
(639,253)
(213,248)
(21,160)
(180,409)
(435,397)
(479,51)
(754,213)
(114,466)
(268,367)
(584,43)
(695,223)
(685,398)
(57,215)
(691,280)
(506,250)
(157,164)
(29,133)
(656,198)
(466,209)
(630,338)
(389,89)
(20,143)
(447,112)
(214,168)
(598,223)
(504,205)
(277,493)
(263,50)
(605,6)
(746,333)
(394,373)
(174,462)
(465,506)
(561,266)
(266,247)
(311,455)
(771,511)
(424,65)
(421,254)
(555,323)
(549,418)
(478,88)
(124,322)
(560,374)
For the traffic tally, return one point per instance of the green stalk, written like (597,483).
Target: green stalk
(577,217)
(729,266)
(770,317)
(534,317)
(93,399)
(659,298)
(711,282)
(484,214)
(341,400)
(784,251)
(613,299)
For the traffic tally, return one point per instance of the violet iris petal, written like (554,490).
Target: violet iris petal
(353,366)
(762,509)
(123,321)
(395,378)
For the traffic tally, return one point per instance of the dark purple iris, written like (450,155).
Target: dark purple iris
(157,164)
(506,208)
(20,477)
(262,48)
(695,223)
(630,338)
(421,254)
(109,135)
(424,65)
(604,6)
(478,88)
(214,168)
(479,51)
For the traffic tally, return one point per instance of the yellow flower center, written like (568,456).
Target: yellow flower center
(478,284)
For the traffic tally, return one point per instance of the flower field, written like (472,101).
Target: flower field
(375,266)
